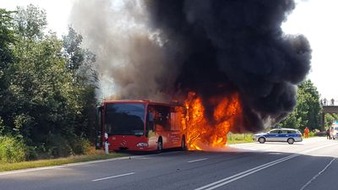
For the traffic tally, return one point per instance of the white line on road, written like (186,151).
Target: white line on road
(240,175)
(198,160)
(311,180)
(114,176)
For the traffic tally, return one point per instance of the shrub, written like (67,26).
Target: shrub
(12,149)
(80,145)
(58,146)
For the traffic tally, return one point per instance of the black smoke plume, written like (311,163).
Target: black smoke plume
(237,45)
(161,49)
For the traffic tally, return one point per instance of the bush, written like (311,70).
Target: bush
(80,145)
(15,150)
(12,149)
(60,146)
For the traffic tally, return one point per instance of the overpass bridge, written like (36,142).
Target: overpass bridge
(328,109)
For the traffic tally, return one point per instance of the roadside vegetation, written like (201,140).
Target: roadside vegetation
(307,112)
(235,138)
(47,89)
(99,155)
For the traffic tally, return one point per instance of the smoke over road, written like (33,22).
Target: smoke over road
(160,49)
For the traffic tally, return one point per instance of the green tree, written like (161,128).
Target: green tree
(49,96)
(7,41)
(48,85)
(80,62)
(307,110)
(309,103)
(330,118)
(31,22)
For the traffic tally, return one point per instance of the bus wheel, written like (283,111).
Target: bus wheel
(159,145)
(183,144)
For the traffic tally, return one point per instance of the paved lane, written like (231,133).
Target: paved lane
(311,164)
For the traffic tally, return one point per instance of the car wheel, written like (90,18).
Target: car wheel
(291,141)
(261,140)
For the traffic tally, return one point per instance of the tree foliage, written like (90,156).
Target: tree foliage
(310,105)
(30,22)
(7,40)
(308,109)
(49,98)
(330,118)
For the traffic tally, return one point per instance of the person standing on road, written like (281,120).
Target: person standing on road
(328,136)
(306,132)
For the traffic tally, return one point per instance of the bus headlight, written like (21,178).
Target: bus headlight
(142,144)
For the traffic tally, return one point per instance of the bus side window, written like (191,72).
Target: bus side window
(150,121)
(161,117)
(166,120)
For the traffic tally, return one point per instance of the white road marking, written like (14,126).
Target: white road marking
(112,177)
(240,175)
(243,174)
(323,170)
(198,160)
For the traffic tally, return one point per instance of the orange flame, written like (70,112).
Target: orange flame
(202,133)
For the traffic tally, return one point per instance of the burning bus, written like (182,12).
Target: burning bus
(141,125)
(242,67)
(144,125)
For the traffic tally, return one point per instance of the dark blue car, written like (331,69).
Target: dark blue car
(280,135)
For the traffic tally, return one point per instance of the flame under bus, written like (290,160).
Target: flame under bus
(141,125)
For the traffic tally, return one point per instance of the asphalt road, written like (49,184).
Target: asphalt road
(311,165)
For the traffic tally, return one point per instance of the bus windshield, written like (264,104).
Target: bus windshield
(125,118)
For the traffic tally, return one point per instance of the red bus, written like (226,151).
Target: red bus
(141,125)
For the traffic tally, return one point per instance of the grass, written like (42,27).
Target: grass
(234,138)
(56,162)
(96,155)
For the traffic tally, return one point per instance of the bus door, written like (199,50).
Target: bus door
(99,128)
